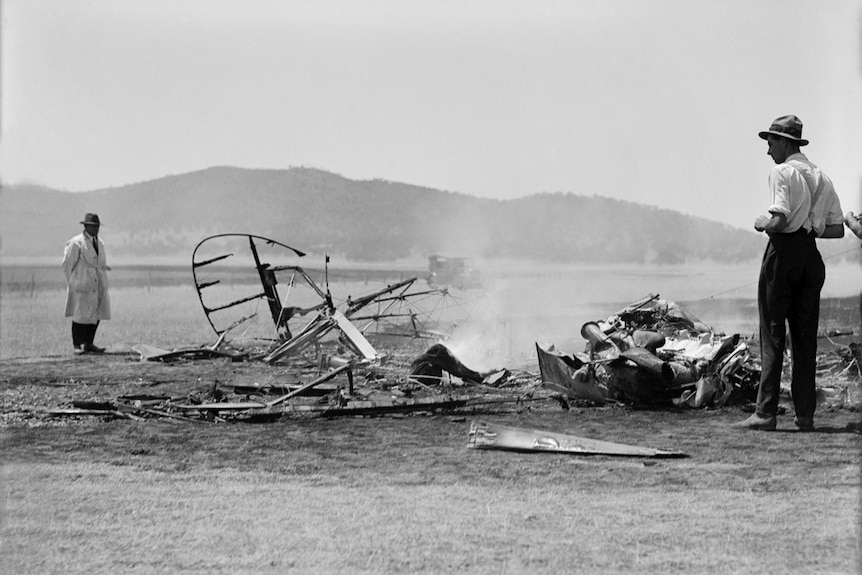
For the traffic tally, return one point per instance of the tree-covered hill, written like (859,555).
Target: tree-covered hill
(370,221)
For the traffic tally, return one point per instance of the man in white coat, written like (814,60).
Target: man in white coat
(87,300)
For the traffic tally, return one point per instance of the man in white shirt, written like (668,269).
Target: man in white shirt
(804,206)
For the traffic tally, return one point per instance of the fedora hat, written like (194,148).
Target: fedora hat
(91,220)
(789,127)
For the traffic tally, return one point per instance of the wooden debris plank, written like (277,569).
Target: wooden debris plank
(485,435)
(375,409)
(111,412)
(300,390)
(314,330)
(396,405)
(131,408)
(144,398)
(150,353)
(94,405)
(277,389)
(223,406)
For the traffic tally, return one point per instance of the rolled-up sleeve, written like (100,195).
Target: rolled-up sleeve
(779,185)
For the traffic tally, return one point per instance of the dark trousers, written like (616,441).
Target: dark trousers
(791,276)
(83,333)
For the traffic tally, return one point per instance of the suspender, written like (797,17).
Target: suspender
(818,189)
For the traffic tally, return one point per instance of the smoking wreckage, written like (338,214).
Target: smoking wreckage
(348,356)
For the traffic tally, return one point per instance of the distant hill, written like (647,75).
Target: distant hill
(362,221)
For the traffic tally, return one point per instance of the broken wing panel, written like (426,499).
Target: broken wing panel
(355,337)
(484,435)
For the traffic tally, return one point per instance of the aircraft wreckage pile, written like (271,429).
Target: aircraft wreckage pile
(650,353)
(653,352)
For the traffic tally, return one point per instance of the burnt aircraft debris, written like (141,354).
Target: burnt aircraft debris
(653,352)
(151,353)
(332,394)
(264,307)
(234,274)
(485,435)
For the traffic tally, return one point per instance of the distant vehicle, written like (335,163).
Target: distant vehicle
(453,272)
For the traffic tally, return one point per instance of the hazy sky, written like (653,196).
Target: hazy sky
(653,101)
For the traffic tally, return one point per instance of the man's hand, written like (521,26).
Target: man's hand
(772,223)
(854,222)
(761,223)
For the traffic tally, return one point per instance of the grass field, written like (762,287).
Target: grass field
(403,494)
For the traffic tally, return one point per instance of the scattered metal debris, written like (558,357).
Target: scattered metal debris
(151,353)
(345,388)
(235,273)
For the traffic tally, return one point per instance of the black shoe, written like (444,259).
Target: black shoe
(757,422)
(804,423)
(94,349)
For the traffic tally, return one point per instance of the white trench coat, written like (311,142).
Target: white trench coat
(87,299)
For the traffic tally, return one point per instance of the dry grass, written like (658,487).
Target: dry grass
(405,495)
(169,316)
